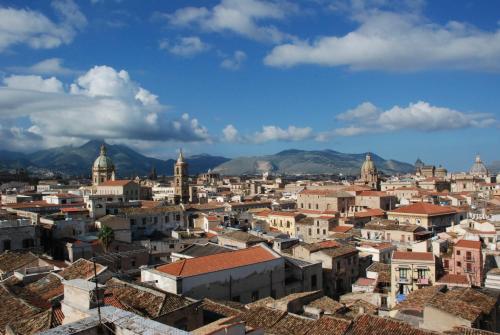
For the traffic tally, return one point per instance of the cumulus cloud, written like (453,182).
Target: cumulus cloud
(395,41)
(235,61)
(419,116)
(34,29)
(102,103)
(52,66)
(248,18)
(273,133)
(185,46)
(230,134)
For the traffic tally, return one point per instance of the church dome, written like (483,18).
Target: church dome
(103,161)
(478,168)
(368,165)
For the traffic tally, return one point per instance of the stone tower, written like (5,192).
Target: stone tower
(369,174)
(103,168)
(181,184)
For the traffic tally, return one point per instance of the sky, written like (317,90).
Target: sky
(400,78)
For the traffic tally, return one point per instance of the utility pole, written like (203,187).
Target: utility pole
(97,290)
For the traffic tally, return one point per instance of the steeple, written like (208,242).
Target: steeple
(103,150)
(180,159)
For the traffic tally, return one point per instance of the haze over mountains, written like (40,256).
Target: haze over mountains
(310,162)
(78,161)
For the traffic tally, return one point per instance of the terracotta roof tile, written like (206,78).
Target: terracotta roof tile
(327,325)
(374,325)
(291,325)
(468,244)
(413,256)
(218,262)
(424,208)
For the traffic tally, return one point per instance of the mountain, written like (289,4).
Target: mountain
(494,167)
(309,162)
(71,160)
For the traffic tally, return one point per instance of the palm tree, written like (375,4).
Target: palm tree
(106,235)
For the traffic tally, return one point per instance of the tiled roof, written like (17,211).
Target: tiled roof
(285,213)
(291,325)
(219,308)
(413,256)
(327,325)
(469,331)
(116,183)
(317,192)
(57,316)
(369,213)
(341,229)
(12,260)
(262,317)
(33,325)
(453,279)
(326,304)
(13,309)
(365,282)
(417,299)
(367,324)
(145,301)
(340,251)
(468,244)
(242,236)
(41,292)
(82,269)
(392,225)
(424,208)
(379,267)
(373,194)
(455,307)
(218,262)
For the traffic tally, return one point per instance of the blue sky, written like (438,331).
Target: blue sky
(403,79)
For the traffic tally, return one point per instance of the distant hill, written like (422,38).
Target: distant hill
(71,160)
(494,167)
(309,162)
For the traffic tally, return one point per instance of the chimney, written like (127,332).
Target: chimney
(361,310)
(79,298)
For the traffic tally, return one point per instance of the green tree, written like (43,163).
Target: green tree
(106,235)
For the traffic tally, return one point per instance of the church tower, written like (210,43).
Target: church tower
(181,184)
(369,174)
(103,168)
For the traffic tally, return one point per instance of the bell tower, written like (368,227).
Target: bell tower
(181,184)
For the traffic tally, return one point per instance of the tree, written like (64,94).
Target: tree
(106,235)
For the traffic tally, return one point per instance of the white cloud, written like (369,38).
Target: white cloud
(274,133)
(32,28)
(420,116)
(235,61)
(34,83)
(243,17)
(52,66)
(185,46)
(230,134)
(396,41)
(102,103)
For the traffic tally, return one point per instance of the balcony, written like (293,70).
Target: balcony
(423,281)
(402,280)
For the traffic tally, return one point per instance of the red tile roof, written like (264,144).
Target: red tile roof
(453,279)
(121,182)
(468,244)
(414,256)
(369,213)
(341,229)
(317,192)
(373,194)
(218,262)
(425,209)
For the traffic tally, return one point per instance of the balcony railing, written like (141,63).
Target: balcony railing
(423,281)
(402,280)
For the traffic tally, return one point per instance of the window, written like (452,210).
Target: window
(446,263)
(338,266)
(421,273)
(6,245)
(324,231)
(143,221)
(317,231)
(236,298)
(255,295)
(314,282)
(468,256)
(468,267)
(403,273)
(459,264)
(171,246)
(167,218)
(28,243)
(458,252)
(317,206)
(133,263)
